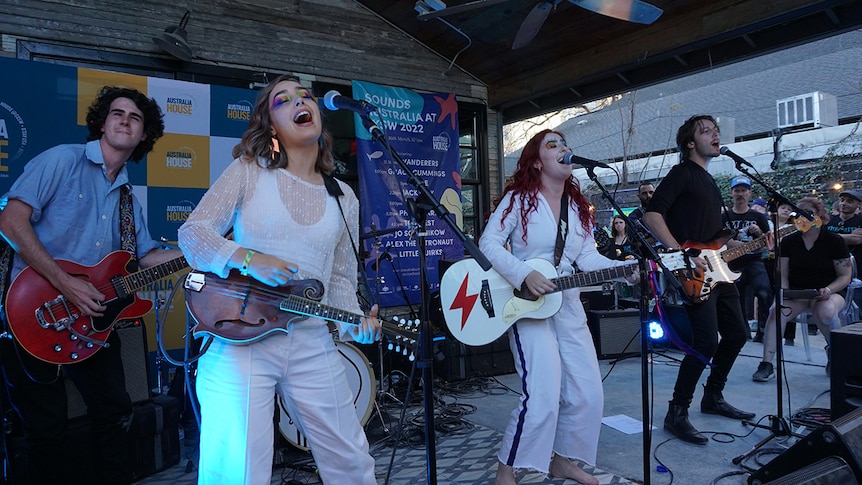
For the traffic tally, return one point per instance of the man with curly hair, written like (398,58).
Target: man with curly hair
(66,205)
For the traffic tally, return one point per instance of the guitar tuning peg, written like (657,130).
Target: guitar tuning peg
(411,358)
(390,346)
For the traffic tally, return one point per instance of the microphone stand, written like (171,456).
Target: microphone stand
(645,251)
(423,203)
(778,426)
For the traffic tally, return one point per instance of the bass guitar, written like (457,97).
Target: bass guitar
(698,283)
(52,329)
(240,310)
(500,305)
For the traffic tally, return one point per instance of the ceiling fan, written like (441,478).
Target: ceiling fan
(629,10)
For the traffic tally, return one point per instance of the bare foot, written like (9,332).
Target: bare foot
(506,475)
(564,468)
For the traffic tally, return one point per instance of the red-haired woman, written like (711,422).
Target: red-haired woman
(559,414)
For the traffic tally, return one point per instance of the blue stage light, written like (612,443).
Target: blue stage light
(656,333)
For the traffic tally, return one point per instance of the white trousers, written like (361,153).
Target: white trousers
(560,409)
(236,386)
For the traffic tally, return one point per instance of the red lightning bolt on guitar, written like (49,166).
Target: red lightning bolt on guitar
(464,301)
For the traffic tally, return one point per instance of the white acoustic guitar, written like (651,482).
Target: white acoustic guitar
(479,306)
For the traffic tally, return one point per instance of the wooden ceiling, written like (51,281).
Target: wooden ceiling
(579,56)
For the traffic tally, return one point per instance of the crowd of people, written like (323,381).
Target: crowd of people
(276,214)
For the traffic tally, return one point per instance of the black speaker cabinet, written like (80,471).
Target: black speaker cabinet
(616,333)
(133,349)
(846,375)
(830,454)
(461,361)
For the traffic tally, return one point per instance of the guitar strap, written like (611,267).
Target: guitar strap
(6,254)
(128,241)
(562,229)
(334,190)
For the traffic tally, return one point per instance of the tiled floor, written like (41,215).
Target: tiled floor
(473,413)
(465,451)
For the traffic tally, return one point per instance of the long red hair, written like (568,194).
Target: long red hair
(527,180)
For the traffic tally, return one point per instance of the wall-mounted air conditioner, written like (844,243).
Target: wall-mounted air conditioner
(819,109)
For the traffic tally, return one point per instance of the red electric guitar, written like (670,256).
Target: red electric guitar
(52,329)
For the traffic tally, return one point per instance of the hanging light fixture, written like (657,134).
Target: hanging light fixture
(174,40)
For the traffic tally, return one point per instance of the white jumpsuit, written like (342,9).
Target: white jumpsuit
(560,409)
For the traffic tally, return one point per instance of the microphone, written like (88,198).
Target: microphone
(334,101)
(736,158)
(572,159)
(383,257)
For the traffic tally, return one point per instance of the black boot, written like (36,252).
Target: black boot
(676,423)
(713,403)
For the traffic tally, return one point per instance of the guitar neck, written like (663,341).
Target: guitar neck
(729,255)
(311,308)
(139,279)
(591,278)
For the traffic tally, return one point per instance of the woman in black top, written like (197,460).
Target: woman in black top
(812,260)
(620,247)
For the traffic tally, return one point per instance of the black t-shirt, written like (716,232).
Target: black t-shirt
(740,223)
(838,226)
(690,202)
(814,268)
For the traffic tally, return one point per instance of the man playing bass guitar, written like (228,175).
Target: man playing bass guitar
(686,208)
(67,204)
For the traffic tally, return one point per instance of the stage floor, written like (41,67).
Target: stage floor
(473,413)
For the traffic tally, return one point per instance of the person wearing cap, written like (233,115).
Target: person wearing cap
(749,225)
(848,225)
(686,207)
(759,205)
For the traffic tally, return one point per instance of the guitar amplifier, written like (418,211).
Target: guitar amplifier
(154,437)
(133,352)
(616,333)
(846,375)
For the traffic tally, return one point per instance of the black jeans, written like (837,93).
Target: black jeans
(719,315)
(38,396)
(755,281)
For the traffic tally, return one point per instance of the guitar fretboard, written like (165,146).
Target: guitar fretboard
(398,334)
(590,278)
(311,308)
(729,255)
(139,279)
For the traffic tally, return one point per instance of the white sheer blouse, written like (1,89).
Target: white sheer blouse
(274,212)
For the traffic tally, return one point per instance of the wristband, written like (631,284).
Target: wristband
(245,262)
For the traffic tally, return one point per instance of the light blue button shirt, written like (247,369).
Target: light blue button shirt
(75,207)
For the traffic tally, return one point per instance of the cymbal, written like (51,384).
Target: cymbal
(379,232)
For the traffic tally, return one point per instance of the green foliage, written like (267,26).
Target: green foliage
(795,180)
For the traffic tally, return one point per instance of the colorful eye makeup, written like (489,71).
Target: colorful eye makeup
(551,144)
(285,97)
